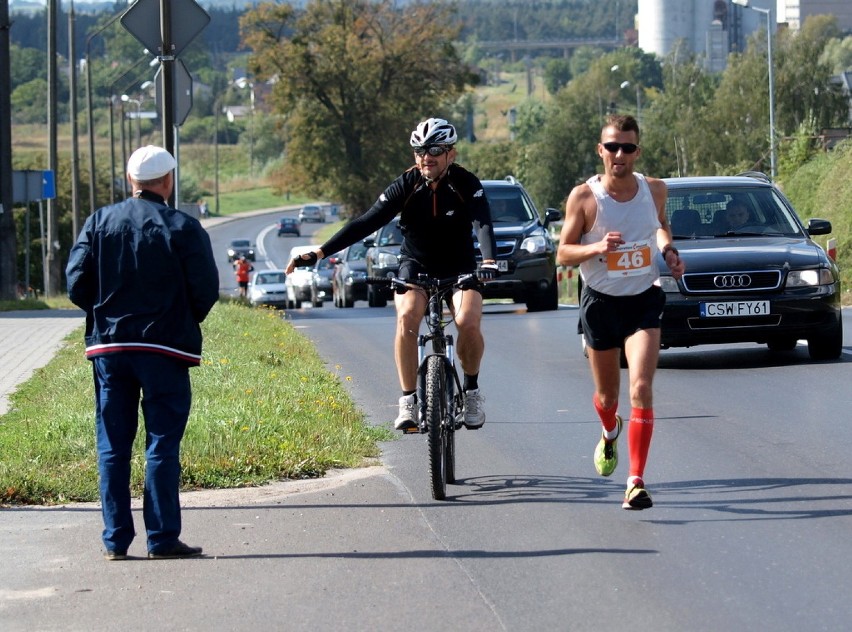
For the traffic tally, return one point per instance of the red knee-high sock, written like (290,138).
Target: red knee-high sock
(639,438)
(607,415)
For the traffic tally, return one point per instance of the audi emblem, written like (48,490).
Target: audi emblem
(726,281)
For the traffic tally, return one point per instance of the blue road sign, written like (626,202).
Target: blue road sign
(48,185)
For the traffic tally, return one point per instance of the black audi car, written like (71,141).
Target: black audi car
(753,273)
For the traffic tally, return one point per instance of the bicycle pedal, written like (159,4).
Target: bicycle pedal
(411,430)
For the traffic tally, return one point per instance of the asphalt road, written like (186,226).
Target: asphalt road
(750,528)
(752,496)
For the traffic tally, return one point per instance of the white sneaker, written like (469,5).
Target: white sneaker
(474,416)
(407,417)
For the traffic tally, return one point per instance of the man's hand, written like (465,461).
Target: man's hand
(304,260)
(675,264)
(487,272)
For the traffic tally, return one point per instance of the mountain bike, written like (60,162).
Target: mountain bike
(439,390)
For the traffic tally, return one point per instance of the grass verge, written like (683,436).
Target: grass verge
(265,408)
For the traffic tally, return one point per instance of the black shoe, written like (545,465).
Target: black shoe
(115,556)
(177,550)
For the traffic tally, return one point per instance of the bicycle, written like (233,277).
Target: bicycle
(439,390)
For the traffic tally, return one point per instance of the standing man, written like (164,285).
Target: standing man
(440,205)
(615,227)
(145,275)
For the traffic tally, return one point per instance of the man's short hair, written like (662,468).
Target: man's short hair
(622,123)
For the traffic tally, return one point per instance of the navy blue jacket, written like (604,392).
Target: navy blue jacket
(146,277)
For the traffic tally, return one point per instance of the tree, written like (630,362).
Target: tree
(352,79)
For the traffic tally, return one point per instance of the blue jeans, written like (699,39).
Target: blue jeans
(164,385)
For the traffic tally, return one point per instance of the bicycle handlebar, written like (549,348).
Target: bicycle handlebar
(463,282)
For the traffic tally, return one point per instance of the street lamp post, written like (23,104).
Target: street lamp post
(772,149)
(243,83)
(138,105)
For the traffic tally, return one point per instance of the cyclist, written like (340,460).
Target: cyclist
(440,205)
(615,224)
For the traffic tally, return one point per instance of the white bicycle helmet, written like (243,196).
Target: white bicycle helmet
(434,131)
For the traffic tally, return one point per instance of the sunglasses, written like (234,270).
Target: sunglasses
(627,148)
(432,150)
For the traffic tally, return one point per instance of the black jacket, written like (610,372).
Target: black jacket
(437,226)
(145,275)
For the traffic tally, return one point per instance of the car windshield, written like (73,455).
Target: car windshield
(356,251)
(509,206)
(720,212)
(264,278)
(240,243)
(390,235)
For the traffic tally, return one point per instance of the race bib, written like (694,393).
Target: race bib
(631,259)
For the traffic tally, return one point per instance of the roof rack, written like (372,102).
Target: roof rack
(757,175)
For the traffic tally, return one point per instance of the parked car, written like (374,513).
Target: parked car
(321,281)
(268,287)
(765,281)
(299,281)
(239,247)
(289,226)
(382,260)
(526,254)
(349,280)
(312,213)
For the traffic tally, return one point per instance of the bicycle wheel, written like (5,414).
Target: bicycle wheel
(436,413)
(450,433)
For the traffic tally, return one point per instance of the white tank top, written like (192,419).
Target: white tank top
(632,268)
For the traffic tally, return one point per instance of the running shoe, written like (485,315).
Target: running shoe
(606,452)
(636,497)
(407,417)
(474,416)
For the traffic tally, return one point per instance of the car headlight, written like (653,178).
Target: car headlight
(810,278)
(355,275)
(387,260)
(669,285)
(534,244)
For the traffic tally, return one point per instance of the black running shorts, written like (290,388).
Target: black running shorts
(608,320)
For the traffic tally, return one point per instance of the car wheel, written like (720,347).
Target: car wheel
(348,301)
(827,346)
(375,298)
(546,300)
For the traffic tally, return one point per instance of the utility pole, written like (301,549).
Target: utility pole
(52,274)
(8,241)
(75,145)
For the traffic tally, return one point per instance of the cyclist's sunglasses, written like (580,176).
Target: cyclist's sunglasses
(627,148)
(432,150)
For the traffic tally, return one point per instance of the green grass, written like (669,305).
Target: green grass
(265,408)
(253,199)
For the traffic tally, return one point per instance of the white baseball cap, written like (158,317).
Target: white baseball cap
(149,163)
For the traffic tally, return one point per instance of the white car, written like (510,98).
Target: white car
(299,281)
(312,213)
(268,287)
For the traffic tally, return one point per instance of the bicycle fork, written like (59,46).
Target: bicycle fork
(443,346)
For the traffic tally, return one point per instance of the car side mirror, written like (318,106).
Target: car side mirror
(369,242)
(818,226)
(551,215)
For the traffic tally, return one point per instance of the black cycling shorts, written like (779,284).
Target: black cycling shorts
(410,268)
(608,320)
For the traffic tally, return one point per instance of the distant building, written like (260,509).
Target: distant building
(713,28)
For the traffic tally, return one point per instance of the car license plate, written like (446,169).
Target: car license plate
(502,265)
(734,308)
